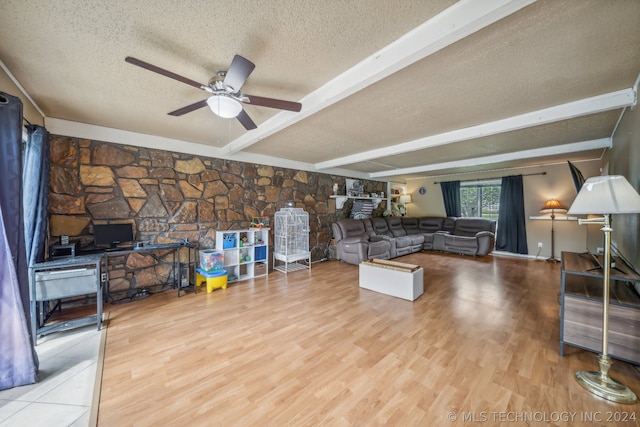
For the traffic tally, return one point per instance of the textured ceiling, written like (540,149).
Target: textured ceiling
(69,57)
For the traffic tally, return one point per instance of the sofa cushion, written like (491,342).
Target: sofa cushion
(380,227)
(368,227)
(395,225)
(379,249)
(448,224)
(427,245)
(351,228)
(417,240)
(460,244)
(470,226)
(410,225)
(430,224)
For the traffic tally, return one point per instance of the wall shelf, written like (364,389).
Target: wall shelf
(557,218)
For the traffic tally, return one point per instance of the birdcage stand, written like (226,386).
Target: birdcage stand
(291,242)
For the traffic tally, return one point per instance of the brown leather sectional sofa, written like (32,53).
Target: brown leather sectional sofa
(360,239)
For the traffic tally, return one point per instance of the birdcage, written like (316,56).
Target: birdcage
(291,240)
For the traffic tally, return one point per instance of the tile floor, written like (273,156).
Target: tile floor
(64,393)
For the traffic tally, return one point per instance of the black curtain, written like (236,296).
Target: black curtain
(512,233)
(451,197)
(18,360)
(35,199)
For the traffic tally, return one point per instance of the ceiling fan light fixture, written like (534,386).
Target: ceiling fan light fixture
(224,106)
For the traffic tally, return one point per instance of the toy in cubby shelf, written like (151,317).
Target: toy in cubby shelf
(244,241)
(260,222)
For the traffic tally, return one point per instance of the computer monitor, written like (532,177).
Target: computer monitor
(110,235)
(578,179)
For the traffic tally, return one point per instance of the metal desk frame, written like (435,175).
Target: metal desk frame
(177,265)
(36,307)
(99,261)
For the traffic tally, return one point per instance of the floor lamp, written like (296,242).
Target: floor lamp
(552,206)
(605,195)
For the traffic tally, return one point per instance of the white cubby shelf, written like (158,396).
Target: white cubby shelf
(245,252)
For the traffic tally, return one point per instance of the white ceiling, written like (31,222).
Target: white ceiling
(390,89)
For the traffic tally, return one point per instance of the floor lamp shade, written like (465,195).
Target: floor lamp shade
(605,195)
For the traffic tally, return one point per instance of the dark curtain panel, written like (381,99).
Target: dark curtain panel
(18,360)
(35,200)
(512,234)
(451,197)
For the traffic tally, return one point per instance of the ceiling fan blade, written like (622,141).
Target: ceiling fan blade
(274,103)
(189,108)
(155,69)
(246,121)
(238,72)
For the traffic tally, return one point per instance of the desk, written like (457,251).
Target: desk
(581,307)
(178,275)
(81,275)
(63,278)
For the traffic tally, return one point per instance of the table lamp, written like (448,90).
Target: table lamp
(605,195)
(552,206)
(404,200)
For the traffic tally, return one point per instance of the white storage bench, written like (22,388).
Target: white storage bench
(392,278)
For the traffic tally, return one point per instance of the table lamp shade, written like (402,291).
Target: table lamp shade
(553,205)
(405,198)
(610,194)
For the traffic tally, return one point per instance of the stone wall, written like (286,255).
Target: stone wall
(169,197)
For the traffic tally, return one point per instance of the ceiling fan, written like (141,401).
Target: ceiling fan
(225,98)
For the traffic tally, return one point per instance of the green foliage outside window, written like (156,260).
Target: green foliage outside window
(480,200)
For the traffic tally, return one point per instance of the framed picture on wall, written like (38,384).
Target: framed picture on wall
(354,187)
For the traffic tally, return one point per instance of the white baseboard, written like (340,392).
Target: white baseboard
(512,255)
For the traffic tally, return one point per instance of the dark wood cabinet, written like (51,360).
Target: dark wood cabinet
(581,307)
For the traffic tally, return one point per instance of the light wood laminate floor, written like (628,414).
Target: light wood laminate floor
(311,348)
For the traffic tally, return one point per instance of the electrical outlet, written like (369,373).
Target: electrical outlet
(103,277)
(539,244)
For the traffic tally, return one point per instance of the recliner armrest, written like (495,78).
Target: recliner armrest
(486,242)
(484,233)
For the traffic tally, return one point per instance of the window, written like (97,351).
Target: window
(480,199)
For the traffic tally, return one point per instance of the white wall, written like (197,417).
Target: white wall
(29,111)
